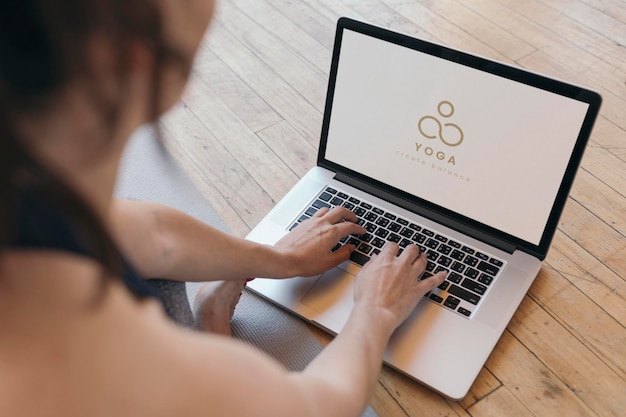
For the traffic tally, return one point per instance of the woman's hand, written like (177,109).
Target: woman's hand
(389,284)
(308,246)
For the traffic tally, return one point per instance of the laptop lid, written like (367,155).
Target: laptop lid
(485,148)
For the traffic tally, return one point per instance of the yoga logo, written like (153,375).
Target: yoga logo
(450,134)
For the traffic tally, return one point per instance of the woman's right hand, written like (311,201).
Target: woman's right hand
(389,284)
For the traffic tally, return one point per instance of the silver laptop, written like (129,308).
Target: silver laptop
(470,159)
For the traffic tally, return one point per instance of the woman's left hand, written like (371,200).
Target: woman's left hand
(308,246)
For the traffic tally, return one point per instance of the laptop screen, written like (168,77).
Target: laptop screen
(483,146)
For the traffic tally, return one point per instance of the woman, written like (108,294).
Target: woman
(81,333)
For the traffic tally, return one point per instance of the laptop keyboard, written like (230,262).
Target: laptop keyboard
(471,273)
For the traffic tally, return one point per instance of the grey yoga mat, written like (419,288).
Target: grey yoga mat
(147,173)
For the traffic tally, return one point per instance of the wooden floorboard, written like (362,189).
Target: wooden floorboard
(248,128)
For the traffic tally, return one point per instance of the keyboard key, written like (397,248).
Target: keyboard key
(365,248)
(436,298)
(394,227)
(482,256)
(464,311)
(318,204)
(303,218)
(354,241)
(354,200)
(467,249)
(378,211)
(402,222)
(474,286)
(370,216)
(349,206)
(430,266)
(366,237)
(415,227)
(470,260)
(444,249)
(293,226)
(331,190)
(379,243)
(458,267)
(440,269)
(382,233)
(444,285)
(496,262)
(444,261)
(336,201)
(382,222)
(370,227)
(375,252)
(485,279)
(366,206)
(342,195)
(310,211)
(457,254)
(390,216)
(468,296)
(359,211)
(432,255)
(429,233)
(393,238)
(488,268)
(337,246)
(404,243)
(406,232)
(454,277)
(431,243)
(359,258)
(452,302)
(472,273)
(325,196)
(454,244)
(419,238)
(441,238)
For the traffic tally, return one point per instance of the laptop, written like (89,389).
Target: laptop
(470,159)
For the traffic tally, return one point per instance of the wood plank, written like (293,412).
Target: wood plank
(217,166)
(612,106)
(259,160)
(532,382)
(265,82)
(295,152)
(443,31)
(415,399)
(589,274)
(594,19)
(275,52)
(600,239)
(588,322)
(503,41)
(289,35)
(543,361)
(249,107)
(557,22)
(310,19)
(501,403)
(604,201)
(554,45)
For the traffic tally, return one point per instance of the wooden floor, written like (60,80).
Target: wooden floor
(249,125)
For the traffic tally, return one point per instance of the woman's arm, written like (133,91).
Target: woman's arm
(163,242)
(340,381)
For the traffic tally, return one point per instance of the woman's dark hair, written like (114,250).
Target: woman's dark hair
(44,45)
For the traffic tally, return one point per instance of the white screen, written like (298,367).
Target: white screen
(516,139)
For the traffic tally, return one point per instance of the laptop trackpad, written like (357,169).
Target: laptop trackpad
(332,295)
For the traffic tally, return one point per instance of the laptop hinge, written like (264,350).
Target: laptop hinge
(428,213)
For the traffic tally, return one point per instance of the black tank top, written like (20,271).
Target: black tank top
(38,225)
